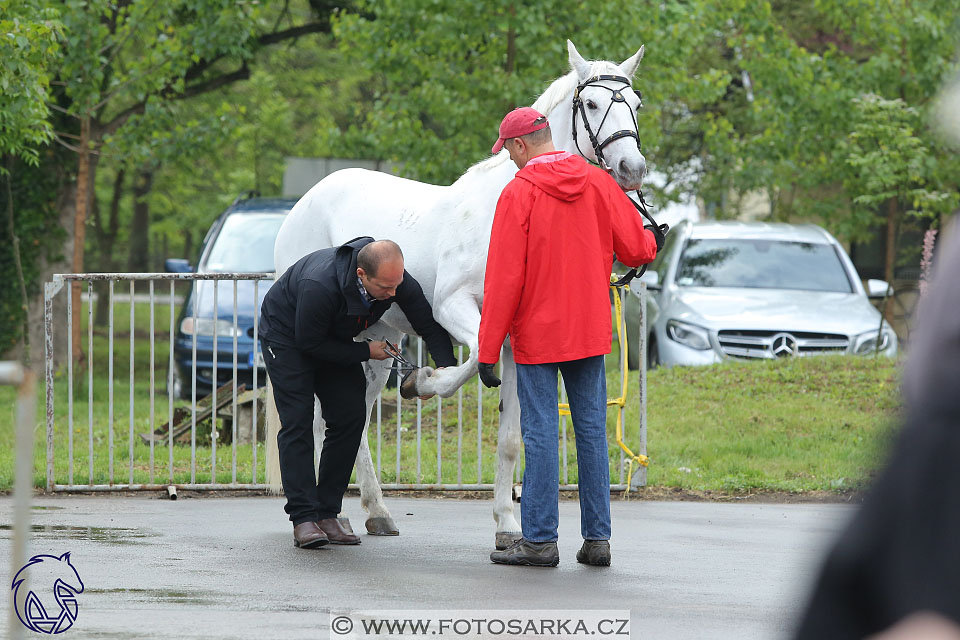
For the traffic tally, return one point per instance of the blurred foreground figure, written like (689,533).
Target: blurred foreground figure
(895,571)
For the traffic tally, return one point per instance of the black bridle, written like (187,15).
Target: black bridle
(659,231)
(616,135)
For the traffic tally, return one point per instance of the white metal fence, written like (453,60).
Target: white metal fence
(420,447)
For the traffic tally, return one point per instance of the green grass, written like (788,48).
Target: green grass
(790,425)
(796,425)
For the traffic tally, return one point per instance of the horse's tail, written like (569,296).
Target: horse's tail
(273,455)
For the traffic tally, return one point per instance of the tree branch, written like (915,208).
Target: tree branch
(216,82)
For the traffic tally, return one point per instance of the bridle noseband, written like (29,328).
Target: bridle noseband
(659,231)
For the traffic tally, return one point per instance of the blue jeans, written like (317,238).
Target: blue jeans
(586,385)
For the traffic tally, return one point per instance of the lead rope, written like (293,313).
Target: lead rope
(658,233)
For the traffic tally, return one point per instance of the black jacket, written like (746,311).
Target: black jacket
(315,307)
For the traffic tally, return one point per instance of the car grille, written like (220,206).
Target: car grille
(771,344)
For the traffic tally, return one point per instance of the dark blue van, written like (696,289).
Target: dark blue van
(240,240)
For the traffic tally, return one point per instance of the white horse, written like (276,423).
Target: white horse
(444,233)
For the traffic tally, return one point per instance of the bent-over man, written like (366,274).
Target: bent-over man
(308,321)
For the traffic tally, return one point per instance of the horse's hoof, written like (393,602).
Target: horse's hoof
(412,384)
(345,523)
(507,538)
(382,527)
(408,387)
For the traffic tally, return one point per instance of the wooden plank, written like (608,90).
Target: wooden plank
(183,417)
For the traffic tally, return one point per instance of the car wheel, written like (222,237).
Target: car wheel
(174,383)
(653,354)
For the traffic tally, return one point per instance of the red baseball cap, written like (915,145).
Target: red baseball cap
(519,122)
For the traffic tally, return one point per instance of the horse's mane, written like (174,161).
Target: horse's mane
(557,92)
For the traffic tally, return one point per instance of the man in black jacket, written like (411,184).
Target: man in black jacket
(308,322)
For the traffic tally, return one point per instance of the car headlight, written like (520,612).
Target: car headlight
(867,343)
(205,326)
(689,335)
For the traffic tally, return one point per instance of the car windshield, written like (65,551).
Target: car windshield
(762,264)
(245,243)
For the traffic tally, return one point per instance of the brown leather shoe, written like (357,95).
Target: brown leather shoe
(307,535)
(336,532)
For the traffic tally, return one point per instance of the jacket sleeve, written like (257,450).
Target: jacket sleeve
(315,308)
(415,307)
(633,244)
(506,271)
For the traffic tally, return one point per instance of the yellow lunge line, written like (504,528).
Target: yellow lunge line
(624,382)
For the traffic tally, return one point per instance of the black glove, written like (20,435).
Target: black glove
(660,233)
(487,376)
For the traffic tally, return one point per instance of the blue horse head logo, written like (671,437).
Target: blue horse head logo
(49,603)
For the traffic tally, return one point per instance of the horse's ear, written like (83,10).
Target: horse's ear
(65,557)
(630,65)
(581,66)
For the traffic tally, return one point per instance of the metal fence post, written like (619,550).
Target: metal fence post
(50,289)
(11,373)
(639,478)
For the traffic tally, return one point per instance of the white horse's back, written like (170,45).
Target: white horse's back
(352,203)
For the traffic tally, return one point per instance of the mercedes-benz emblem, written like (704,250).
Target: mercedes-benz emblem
(783,345)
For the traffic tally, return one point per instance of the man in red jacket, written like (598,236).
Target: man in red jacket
(557,227)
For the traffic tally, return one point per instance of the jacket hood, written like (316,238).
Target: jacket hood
(561,175)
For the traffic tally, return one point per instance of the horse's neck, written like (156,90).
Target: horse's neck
(562,128)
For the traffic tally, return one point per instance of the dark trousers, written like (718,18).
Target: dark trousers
(341,390)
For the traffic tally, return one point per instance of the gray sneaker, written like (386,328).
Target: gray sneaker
(531,554)
(595,552)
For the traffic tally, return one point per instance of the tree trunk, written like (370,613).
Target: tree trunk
(188,245)
(890,258)
(893,214)
(139,257)
(80,231)
(510,64)
(107,238)
(15,240)
(66,206)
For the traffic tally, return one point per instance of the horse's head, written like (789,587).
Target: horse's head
(46,571)
(604,116)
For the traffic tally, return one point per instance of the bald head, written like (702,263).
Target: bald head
(380,268)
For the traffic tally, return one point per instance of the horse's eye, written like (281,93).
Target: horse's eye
(591,104)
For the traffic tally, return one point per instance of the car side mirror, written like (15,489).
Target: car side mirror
(651,279)
(878,288)
(177,265)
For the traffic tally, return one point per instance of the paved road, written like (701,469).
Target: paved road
(226,567)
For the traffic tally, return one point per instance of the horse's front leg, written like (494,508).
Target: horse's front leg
(379,521)
(508,451)
(460,316)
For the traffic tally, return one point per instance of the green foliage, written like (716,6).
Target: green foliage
(890,161)
(444,72)
(28,45)
(36,220)
(739,96)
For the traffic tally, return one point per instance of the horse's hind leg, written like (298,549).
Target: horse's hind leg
(508,450)
(379,521)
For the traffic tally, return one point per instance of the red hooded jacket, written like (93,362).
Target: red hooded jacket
(555,232)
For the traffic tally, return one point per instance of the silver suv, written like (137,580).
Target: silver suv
(758,290)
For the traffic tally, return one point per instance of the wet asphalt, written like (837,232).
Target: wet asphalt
(227,568)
